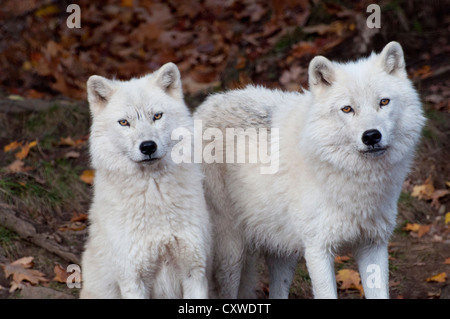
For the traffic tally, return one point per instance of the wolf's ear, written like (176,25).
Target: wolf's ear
(169,79)
(392,59)
(320,72)
(99,91)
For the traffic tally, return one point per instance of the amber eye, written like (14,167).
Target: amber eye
(347,109)
(157,116)
(124,123)
(384,102)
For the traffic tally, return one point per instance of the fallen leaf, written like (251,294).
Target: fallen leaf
(12,146)
(447,261)
(21,273)
(423,229)
(349,279)
(437,194)
(18,166)
(68,141)
(424,191)
(75,226)
(25,150)
(341,259)
(447,218)
(60,274)
(423,72)
(88,176)
(412,227)
(441,277)
(126,3)
(79,217)
(241,63)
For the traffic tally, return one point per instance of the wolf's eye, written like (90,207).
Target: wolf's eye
(347,109)
(384,102)
(157,116)
(124,123)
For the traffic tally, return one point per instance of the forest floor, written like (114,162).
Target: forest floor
(45,174)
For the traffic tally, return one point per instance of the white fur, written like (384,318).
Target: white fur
(150,231)
(327,196)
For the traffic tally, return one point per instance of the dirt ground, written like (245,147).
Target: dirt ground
(45,181)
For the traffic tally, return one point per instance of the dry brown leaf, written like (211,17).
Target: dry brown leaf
(437,194)
(424,191)
(336,27)
(423,229)
(88,176)
(68,141)
(349,279)
(423,72)
(447,261)
(60,274)
(126,3)
(79,217)
(18,166)
(21,273)
(75,226)
(341,259)
(441,277)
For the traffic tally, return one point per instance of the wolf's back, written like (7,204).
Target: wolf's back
(252,106)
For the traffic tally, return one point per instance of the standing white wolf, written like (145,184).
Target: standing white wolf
(345,148)
(150,230)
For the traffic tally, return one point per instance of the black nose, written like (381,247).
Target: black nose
(371,137)
(148,147)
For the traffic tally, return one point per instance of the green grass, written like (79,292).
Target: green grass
(53,185)
(7,240)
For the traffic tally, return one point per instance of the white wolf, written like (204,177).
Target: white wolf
(150,230)
(345,148)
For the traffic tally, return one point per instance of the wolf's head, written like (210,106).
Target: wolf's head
(363,111)
(132,121)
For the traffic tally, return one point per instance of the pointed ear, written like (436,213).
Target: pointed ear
(169,79)
(392,59)
(320,72)
(99,91)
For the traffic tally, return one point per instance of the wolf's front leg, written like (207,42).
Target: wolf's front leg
(195,285)
(320,263)
(132,287)
(374,270)
(281,273)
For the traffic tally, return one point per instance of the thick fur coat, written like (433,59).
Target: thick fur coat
(149,233)
(345,148)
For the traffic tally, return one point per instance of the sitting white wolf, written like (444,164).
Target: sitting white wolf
(150,231)
(345,148)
